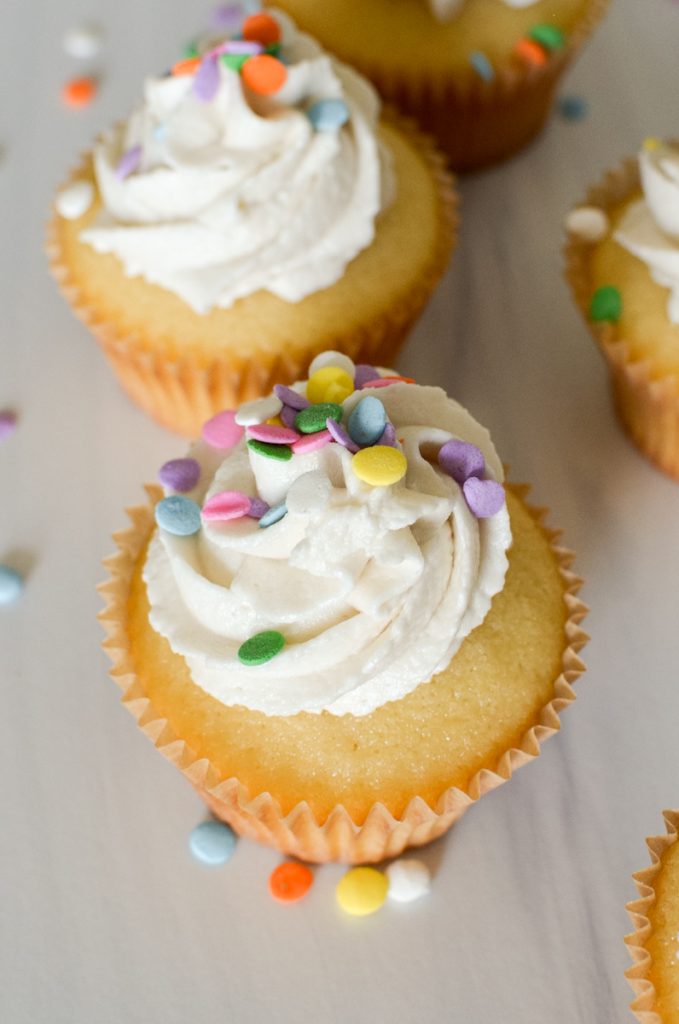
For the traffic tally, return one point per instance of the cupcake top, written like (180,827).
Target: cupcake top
(649,228)
(329,547)
(446,9)
(252,165)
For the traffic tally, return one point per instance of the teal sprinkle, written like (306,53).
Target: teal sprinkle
(482,66)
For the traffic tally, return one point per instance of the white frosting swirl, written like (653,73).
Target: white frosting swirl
(373,588)
(649,228)
(241,193)
(444,10)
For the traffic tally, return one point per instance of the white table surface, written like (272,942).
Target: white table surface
(105,918)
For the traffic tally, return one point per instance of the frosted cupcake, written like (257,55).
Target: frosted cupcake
(654,943)
(623,267)
(479,74)
(337,622)
(253,211)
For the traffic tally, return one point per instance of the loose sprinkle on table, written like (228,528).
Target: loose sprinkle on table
(362,891)
(8,424)
(261,647)
(290,881)
(606,304)
(83,41)
(573,108)
(11,584)
(212,842)
(408,879)
(79,92)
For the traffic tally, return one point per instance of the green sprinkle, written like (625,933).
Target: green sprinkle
(549,36)
(234,61)
(606,304)
(261,647)
(190,50)
(281,452)
(273,48)
(312,419)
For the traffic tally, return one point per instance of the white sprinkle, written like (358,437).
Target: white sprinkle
(83,42)
(408,880)
(337,359)
(259,411)
(588,222)
(75,200)
(309,493)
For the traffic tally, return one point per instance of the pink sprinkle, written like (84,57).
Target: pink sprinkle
(8,423)
(272,434)
(206,82)
(129,162)
(384,382)
(222,431)
(312,442)
(226,505)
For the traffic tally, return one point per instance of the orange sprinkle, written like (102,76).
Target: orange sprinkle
(264,74)
(79,92)
(186,67)
(261,28)
(290,881)
(531,52)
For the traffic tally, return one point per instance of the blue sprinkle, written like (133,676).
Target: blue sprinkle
(212,842)
(11,584)
(573,108)
(328,115)
(482,65)
(179,516)
(367,421)
(274,515)
(160,132)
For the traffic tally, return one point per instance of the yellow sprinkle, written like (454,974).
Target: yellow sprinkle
(329,384)
(651,143)
(362,891)
(379,466)
(275,421)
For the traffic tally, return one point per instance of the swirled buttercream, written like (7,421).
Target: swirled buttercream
(231,191)
(444,10)
(373,588)
(649,228)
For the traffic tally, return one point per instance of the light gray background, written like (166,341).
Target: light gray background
(104,916)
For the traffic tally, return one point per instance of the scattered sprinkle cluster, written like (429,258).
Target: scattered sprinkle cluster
(534,49)
(82,42)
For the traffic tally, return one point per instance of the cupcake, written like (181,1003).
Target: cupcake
(654,943)
(337,621)
(623,267)
(252,212)
(480,75)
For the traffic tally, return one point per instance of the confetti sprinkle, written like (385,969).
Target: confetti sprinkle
(188,66)
(79,92)
(329,384)
(278,452)
(408,880)
(362,891)
(573,108)
(331,358)
(367,421)
(227,17)
(222,431)
(261,28)
(287,416)
(11,584)
(328,115)
(178,516)
(8,424)
(379,466)
(129,162)
(258,508)
(548,36)
(290,397)
(485,498)
(273,435)
(588,222)
(460,459)
(180,475)
(273,515)
(264,75)
(259,411)
(531,53)
(75,200)
(225,506)
(314,417)
(290,881)
(83,41)
(340,435)
(206,82)
(384,382)
(312,442)
(606,304)
(261,647)
(212,842)
(482,65)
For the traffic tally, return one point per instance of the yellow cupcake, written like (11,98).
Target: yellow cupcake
(479,74)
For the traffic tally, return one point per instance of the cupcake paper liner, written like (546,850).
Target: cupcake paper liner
(647,405)
(298,833)
(644,1003)
(182,394)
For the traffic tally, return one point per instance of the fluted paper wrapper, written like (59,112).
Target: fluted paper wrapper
(644,1003)
(479,123)
(182,394)
(647,406)
(298,833)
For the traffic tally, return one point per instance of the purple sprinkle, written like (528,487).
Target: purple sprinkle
(180,475)
(340,435)
(461,460)
(258,508)
(484,497)
(206,82)
(8,423)
(239,47)
(227,16)
(287,415)
(128,163)
(363,373)
(290,397)
(389,436)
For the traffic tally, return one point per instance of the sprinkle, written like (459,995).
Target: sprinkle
(460,459)
(384,382)
(287,416)
(379,466)
(313,419)
(180,474)
(482,65)
(531,52)
(273,435)
(274,515)
(651,143)
(227,17)
(606,304)
(226,505)
(290,881)
(178,516)
(367,421)
(573,108)
(328,115)
(408,880)
(222,431)
(238,48)
(309,493)
(548,36)
(8,424)
(389,436)
(329,384)
(290,397)
(129,162)
(340,435)
(261,647)
(234,61)
(83,42)
(278,452)
(206,82)
(262,28)
(258,508)
(259,411)
(11,584)
(186,67)
(331,358)
(212,842)
(588,222)
(264,74)
(362,891)
(484,497)
(191,50)
(312,442)
(75,200)
(79,92)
